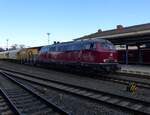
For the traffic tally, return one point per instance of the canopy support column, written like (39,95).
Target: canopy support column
(126,54)
(139,54)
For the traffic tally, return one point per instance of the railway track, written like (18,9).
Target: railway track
(25,100)
(123,80)
(6,106)
(139,107)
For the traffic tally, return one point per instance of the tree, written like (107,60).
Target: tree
(13,47)
(21,46)
(16,46)
(1,49)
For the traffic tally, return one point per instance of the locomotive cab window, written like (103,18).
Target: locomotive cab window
(77,46)
(90,46)
(107,45)
(93,46)
(52,49)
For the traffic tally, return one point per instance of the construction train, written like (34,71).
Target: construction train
(95,54)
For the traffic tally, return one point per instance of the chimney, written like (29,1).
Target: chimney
(99,30)
(119,27)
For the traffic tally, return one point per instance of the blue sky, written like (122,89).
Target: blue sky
(28,21)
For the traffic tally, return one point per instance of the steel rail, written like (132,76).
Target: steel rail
(108,78)
(11,105)
(125,81)
(137,106)
(53,106)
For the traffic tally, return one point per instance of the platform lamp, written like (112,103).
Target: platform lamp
(48,34)
(7,43)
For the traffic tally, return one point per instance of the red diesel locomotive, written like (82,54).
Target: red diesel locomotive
(98,54)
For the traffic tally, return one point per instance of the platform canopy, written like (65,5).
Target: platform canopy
(137,34)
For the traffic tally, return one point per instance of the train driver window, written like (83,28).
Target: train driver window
(86,46)
(90,46)
(93,46)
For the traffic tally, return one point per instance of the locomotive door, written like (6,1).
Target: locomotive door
(87,52)
(80,56)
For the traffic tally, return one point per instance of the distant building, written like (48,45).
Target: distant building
(123,35)
(1,49)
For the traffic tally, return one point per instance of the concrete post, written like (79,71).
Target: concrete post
(139,54)
(126,59)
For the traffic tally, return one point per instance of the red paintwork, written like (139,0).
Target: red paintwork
(91,56)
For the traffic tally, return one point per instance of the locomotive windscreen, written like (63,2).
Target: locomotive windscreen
(107,44)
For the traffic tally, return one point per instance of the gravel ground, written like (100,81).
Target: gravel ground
(114,88)
(4,83)
(76,105)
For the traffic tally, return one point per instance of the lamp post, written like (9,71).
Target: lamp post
(48,34)
(7,42)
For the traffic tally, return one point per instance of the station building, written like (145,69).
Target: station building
(135,36)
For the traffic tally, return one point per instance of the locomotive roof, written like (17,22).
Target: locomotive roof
(82,41)
(76,42)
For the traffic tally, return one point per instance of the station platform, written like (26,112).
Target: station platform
(136,69)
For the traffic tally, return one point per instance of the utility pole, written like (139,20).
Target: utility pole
(48,34)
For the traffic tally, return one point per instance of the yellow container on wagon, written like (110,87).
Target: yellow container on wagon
(28,55)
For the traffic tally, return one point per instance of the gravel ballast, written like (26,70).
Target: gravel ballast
(91,83)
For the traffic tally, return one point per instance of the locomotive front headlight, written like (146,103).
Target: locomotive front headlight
(105,60)
(116,60)
(111,54)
